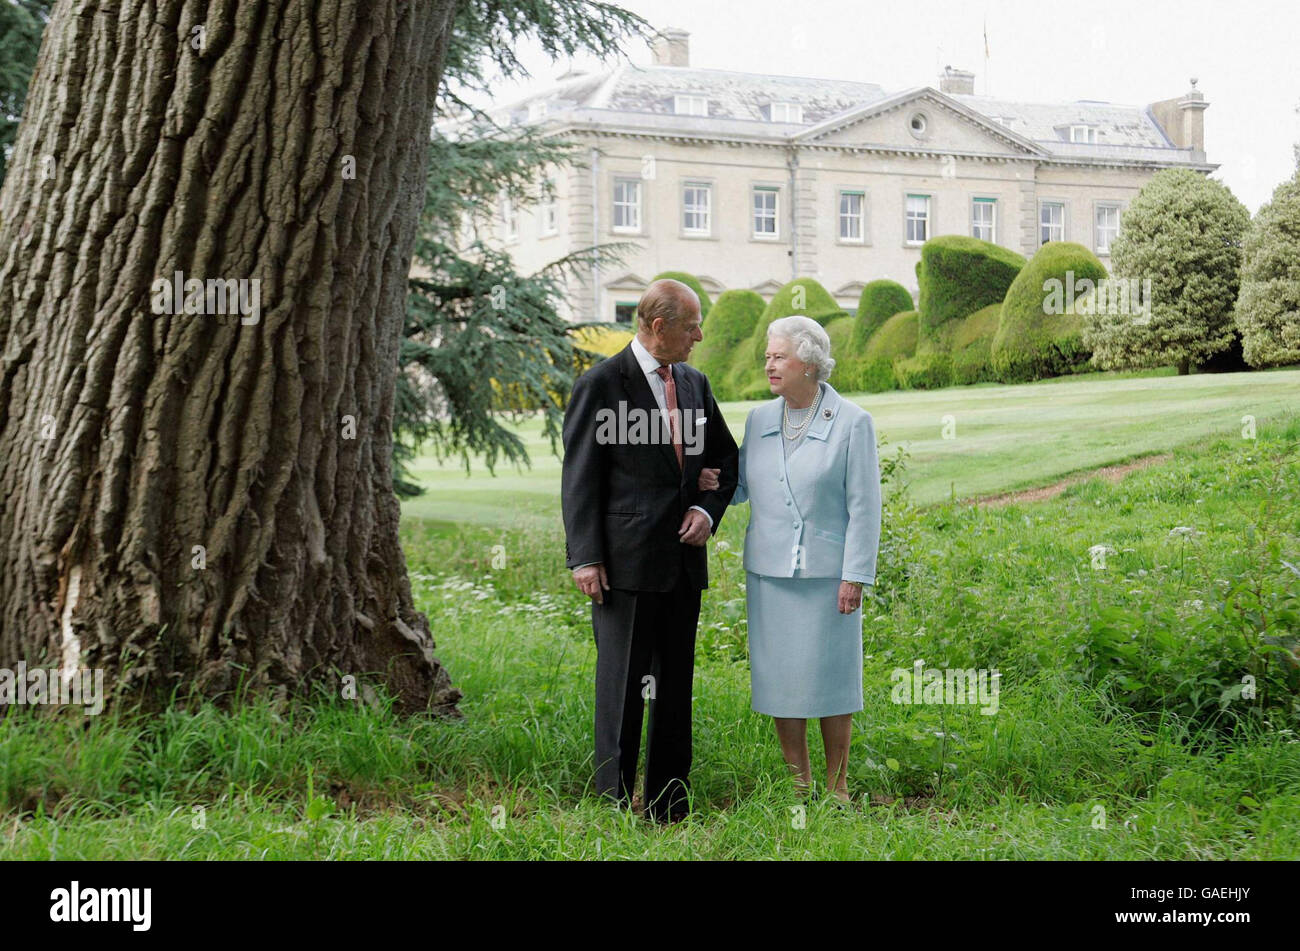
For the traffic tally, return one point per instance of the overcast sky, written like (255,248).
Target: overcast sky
(1245,56)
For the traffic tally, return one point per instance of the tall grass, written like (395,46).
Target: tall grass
(1123,727)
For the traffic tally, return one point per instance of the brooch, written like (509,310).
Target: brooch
(826,413)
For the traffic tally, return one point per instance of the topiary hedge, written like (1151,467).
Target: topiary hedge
(731,323)
(960,275)
(896,339)
(924,371)
(693,283)
(872,370)
(746,376)
(880,300)
(1038,334)
(840,330)
(971,346)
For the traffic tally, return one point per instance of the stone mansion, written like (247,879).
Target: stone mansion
(748,181)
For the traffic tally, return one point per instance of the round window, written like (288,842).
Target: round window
(917,124)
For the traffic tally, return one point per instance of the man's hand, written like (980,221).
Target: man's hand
(709,479)
(695,528)
(591,580)
(850,597)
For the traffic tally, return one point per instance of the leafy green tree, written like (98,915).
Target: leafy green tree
(1268,306)
(482,342)
(1184,233)
(21,25)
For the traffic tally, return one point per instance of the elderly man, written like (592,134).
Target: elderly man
(639,428)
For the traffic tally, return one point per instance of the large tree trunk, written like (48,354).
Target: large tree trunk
(197,499)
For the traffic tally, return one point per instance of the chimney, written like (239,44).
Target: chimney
(1183,120)
(671,47)
(957,80)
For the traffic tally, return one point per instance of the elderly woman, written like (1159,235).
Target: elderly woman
(809,470)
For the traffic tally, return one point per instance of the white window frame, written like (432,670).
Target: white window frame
(1084,134)
(785,112)
(705,210)
(685,104)
(1099,207)
(984,201)
(909,218)
(774,216)
(1043,205)
(849,217)
(548,219)
(509,219)
(630,208)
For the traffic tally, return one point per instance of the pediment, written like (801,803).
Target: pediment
(950,126)
(628,282)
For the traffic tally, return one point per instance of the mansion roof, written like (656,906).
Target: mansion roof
(640,100)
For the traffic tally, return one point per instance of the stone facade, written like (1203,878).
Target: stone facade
(749,181)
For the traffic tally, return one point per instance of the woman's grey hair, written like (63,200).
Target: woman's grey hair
(811,343)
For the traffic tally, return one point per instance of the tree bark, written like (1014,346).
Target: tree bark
(205,499)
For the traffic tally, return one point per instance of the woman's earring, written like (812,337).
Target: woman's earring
(806,373)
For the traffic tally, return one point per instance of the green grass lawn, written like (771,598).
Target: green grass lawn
(1122,731)
(1005,437)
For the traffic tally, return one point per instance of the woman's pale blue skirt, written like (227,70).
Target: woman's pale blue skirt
(805,657)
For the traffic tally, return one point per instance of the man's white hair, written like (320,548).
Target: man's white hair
(811,342)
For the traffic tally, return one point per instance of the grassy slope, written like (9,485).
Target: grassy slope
(1007,437)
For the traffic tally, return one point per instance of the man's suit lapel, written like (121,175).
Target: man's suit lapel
(640,396)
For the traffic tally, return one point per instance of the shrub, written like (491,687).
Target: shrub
(606,340)
(1268,305)
(880,300)
(896,339)
(875,376)
(1183,232)
(970,344)
(872,369)
(693,283)
(1033,340)
(960,275)
(747,366)
(931,370)
(730,324)
(840,330)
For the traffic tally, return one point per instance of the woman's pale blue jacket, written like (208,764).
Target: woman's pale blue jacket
(820,509)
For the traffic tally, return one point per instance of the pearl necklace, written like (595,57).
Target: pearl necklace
(807,420)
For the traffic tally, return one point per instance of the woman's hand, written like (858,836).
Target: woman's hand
(709,479)
(850,598)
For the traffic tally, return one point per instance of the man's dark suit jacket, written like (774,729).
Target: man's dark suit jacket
(623,504)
